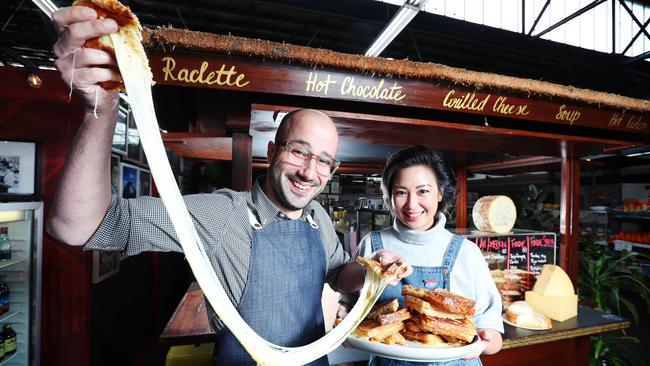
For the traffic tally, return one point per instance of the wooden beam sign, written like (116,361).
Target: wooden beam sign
(235,73)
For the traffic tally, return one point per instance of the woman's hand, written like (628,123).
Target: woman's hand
(387,257)
(490,341)
(82,69)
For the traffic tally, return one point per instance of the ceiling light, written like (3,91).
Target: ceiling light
(34,81)
(631,152)
(400,20)
(638,154)
(9,216)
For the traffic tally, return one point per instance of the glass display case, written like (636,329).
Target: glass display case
(371,220)
(514,258)
(20,281)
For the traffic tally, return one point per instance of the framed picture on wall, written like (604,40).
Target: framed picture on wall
(105,264)
(18,171)
(143,156)
(144,179)
(129,180)
(115,173)
(119,135)
(132,140)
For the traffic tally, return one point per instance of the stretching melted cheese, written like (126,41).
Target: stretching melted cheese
(137,79)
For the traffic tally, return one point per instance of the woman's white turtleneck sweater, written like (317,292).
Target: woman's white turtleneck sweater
(470,276)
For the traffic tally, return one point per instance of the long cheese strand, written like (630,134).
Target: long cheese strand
(138,82)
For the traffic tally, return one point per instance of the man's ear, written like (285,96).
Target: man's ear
(270,150)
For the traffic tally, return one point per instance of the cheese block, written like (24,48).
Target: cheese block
(553,281)
(494,214)
(558,308)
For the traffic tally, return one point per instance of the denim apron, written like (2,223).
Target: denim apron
(282,297)
(428,277)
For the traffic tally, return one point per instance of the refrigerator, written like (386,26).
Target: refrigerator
(22,274)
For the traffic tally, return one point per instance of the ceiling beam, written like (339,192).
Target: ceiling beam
(570,17)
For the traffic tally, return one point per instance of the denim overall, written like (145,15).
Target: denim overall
(282,298)
(429,277)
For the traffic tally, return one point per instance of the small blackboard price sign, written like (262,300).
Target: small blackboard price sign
(519,249)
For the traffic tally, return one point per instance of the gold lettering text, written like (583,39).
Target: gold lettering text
(616,120)
(566,114)
(369,91)
(222,76)
(637,123)
(468,101)
(319,86)
(502,106)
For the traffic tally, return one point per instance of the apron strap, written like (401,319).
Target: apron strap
(450,258)
(375,241)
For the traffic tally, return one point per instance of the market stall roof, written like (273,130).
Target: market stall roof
(369,138)
(178,39)
(350,26)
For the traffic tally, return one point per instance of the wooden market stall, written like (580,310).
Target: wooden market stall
(221,98)
(482,122)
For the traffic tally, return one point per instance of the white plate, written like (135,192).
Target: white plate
(523,326)
(598,208)
(413,351)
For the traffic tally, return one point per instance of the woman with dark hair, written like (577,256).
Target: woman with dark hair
(418,186)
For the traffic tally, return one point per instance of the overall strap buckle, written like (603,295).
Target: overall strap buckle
(311,221)
(252,219)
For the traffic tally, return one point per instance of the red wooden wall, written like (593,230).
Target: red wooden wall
(46,116)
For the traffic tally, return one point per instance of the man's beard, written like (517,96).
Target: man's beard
(284,194)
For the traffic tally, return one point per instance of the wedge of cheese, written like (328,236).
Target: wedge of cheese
(495,214)
(553,294)
(553,281)
(559,308)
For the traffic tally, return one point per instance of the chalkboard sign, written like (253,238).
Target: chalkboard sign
(515,259)
(523,251)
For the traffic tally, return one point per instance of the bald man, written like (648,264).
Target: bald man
(273,247)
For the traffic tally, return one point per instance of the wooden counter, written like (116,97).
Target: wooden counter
(189,324)
(566,343)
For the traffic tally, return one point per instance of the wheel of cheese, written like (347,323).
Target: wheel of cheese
(494,214)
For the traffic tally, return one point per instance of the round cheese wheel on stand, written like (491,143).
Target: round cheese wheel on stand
(495,214)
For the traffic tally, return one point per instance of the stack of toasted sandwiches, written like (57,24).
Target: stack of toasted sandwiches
(433,317)
(384,323)
(439,317)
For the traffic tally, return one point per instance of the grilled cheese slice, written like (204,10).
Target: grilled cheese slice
(426,338)
(442,299)
(385,307)
(128,26)
(397,316)
(423,307)
(461,329)
(373,330)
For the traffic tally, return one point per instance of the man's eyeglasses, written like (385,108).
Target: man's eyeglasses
(300,154)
